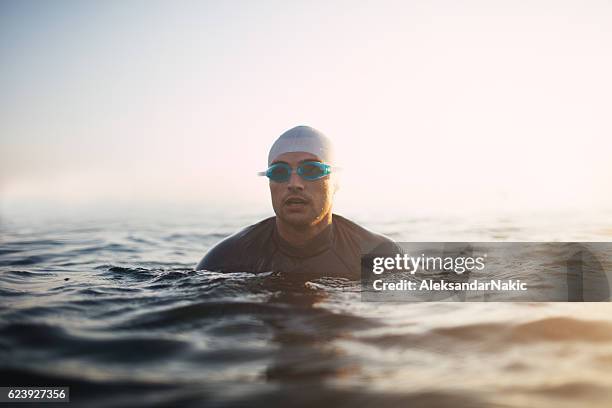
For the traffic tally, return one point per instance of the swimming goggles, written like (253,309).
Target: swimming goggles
(308,170)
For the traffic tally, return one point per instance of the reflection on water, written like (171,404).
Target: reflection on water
(114,310)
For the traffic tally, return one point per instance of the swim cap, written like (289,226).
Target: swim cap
(303,139)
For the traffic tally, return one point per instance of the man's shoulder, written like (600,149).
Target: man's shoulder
(366,239)
(249,239)
(344,225)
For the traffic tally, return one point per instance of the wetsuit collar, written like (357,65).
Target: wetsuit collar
(314,246)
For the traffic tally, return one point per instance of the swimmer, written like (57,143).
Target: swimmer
(305,236)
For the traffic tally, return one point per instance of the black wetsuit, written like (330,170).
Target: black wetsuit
(336,251)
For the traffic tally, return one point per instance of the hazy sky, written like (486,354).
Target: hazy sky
(433,104)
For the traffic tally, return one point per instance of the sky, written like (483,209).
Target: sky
(434,106)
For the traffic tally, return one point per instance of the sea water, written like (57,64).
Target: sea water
(112,308)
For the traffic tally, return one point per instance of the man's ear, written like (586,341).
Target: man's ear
(336,184)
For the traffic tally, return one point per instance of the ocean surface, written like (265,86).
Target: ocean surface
(112,308)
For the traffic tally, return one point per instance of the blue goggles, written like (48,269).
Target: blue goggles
(309,170)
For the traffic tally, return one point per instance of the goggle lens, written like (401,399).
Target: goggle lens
(311,170)
(279,172)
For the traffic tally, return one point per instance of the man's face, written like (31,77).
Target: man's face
(298,202)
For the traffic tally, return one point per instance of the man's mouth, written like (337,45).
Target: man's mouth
(295,202)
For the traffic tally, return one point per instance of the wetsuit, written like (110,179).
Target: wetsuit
(336,251)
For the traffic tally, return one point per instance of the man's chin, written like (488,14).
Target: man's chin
(297,221)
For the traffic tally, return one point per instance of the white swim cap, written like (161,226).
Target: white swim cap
(303,139)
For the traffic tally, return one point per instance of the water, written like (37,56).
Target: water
(113,309)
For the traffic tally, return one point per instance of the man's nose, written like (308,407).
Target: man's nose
(295,182)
